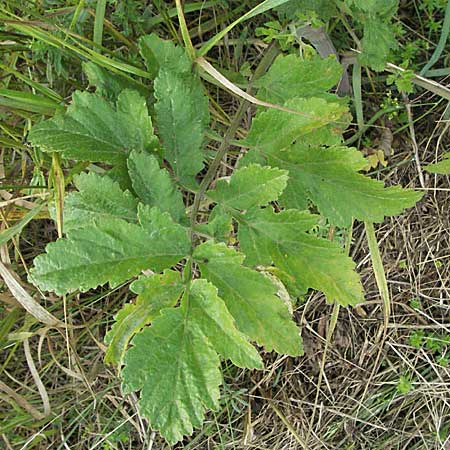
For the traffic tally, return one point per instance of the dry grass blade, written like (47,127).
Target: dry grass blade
(227,84)
(413,140)
(20,201)
(13,395)
(426,83)
(25,299)
(37,379)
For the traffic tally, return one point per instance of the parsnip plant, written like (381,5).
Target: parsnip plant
(212,260)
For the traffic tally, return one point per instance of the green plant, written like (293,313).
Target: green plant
(417,338)
(415,303)
(404,385)
(378,33)
(273,31)
(217,260)
(441,167)
(402,80)
(373,18)
(436,343)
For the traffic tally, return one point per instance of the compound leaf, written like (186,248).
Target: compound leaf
(250,297)
(210,315)
(250,186)
(178,373)
(110,250)
(311,262)
(153,185)
(155,293)
(176,361)
(330,178)
(92,130)
(98,197)
(271,228)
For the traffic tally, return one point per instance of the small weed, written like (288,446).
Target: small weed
(404,385)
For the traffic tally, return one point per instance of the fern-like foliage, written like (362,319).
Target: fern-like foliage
(212,288)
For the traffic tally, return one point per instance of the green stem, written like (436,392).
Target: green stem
(442,42)
(370,122)
(214,166)
(184,30)
(356,80)
(380,276)
(59,187)
(98,23)
(76,14)
(348,239)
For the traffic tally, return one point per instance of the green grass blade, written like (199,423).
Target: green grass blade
(442,41)
(378,269)
(33,84)
(76,47)
(188,8)
(7,324)
(356,81)
(10,232)
(98,23)
(28,102)
(259,9)
(76,14)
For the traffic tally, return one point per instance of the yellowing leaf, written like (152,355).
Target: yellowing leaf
(155,293)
